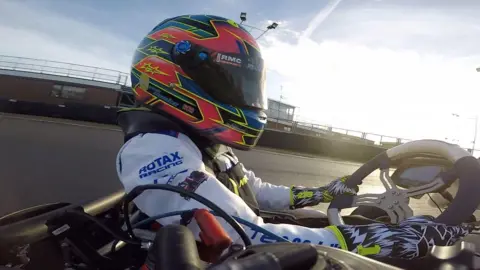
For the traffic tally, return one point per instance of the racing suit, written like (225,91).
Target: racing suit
(166,156)
(174,159)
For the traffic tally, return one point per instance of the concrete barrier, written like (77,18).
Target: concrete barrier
(331,147)
(68,110)
(303,143)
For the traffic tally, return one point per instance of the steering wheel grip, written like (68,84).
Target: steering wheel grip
(345,201)
(466,168)
(465,203)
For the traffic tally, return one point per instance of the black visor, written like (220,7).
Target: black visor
(234,79)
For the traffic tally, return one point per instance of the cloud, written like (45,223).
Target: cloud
(406,92)
(320,17)
(453,31)
(343,83)
(39,33)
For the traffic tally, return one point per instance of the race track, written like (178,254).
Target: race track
(48,160)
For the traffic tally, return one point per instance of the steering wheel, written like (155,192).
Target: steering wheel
(394,200)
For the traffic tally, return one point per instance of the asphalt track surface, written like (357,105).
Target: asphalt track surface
(46,160)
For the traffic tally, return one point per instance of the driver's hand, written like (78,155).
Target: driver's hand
(407,240)
(302,196)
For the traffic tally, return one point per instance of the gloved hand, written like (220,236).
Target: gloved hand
(302,196)
(407,240)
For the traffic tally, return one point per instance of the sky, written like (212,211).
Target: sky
(392,67)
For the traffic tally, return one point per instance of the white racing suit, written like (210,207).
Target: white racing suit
(174,159)
(154,158)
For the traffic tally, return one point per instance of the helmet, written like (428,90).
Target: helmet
(207,73)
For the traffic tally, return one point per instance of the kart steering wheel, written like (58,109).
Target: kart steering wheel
(394,200)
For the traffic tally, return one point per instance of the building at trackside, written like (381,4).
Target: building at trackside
(60,83)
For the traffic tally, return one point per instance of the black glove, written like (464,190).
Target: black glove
(409,239)
(302,196)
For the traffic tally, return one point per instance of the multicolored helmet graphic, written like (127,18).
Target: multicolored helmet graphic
(206,72)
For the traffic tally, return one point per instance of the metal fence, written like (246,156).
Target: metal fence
(63,69)
(342,133)
(324,130)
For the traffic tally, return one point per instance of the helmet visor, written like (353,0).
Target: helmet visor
(233,79)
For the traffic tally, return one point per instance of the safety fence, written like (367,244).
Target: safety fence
(358,137)
(340,133)
(63,69)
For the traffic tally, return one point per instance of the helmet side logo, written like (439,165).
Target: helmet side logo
(227,59)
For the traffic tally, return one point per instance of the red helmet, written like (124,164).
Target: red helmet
(206,72)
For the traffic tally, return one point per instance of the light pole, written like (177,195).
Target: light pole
(280,103)
(475,130)
(270,27)
(243,18)
(281,93)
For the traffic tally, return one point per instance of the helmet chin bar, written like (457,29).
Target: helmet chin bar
(395,201)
